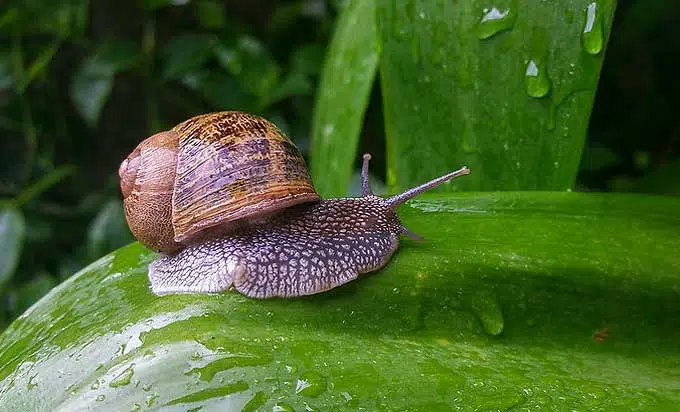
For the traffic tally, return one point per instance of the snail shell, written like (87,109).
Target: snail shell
(208,175)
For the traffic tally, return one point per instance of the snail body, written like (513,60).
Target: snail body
(289,244)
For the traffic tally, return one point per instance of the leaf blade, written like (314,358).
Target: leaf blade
(451,98)
(553,300)
(12,234)
(346,81)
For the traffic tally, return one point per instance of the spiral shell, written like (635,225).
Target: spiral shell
(229,166)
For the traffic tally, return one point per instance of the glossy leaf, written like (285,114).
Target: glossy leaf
(522,301)
(93,80)
(504,87)
(186,53)
(252,64)
(108,230)
(12,234)
(38,66)
(346,83)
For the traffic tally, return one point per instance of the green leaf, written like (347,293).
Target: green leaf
(39,65)
(211,14)
(30,292)
(222,91)
(294,84)
(6,78)
(186,53)
(346,82)
(12,234)
(307,59)
(45,182)
(504,87)
(523,301)
(108,230)
(663,180)
(158,4)
(93,80)
(252,64)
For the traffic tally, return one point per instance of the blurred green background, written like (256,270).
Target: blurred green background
(81,83)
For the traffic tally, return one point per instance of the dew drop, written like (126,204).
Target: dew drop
(310,384)
(494,21)
(592,37)
(124,377)
(100,398)
(487,309)
(328,129)
(537,81)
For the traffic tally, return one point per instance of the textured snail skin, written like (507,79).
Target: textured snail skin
(305,250)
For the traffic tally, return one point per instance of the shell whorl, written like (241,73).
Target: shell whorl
(207,175)
(233,165)
(147,178)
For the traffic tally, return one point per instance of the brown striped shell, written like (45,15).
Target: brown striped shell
(228,166)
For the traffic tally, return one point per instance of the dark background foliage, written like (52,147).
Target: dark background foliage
(81,83)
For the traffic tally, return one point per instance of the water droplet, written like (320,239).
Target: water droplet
(328,129)
(282,407)
(100,398)
(537,81)
(147,387)
(95,385)
(488,311)
(231,360)
(136,407)
(310,384)
(494,21)
(422,15)
(124,377)
(592,38)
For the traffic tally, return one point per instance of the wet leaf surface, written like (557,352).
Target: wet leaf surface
(514,301)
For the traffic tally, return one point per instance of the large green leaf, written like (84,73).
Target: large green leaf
(522,301)
(12,233)
(505,87)
(346,83)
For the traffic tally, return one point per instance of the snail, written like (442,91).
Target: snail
(227,201)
